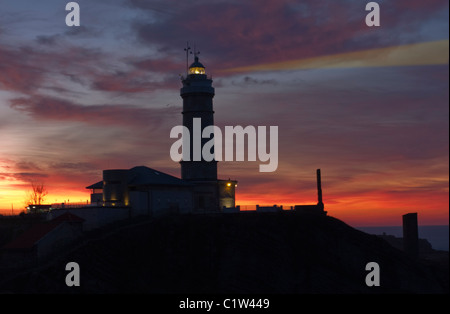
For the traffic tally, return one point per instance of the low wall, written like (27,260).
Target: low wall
(269,209)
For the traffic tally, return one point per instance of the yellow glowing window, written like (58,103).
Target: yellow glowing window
(196,70)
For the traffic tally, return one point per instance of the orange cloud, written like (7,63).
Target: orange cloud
(428,53)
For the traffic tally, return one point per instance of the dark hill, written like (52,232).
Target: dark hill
(233,253)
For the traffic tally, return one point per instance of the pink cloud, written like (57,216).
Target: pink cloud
(18,71)
(49,108)
(237,34)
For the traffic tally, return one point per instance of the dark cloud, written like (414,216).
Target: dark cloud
(81,31)
(26,69)
(248,80)
(158,65)
(159,7)
(18,70)
(70,34)
(47,40)
(26,166)
(238,33)
(134,81)
(48,108)
(73,166)
(27,176)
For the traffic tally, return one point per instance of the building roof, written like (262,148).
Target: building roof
(196,64)
(98,185)
(31,236)
(69,217)
(142,175)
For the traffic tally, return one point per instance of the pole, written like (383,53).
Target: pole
(319,186)
(319,189)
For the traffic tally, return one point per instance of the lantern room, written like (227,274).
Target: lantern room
(197,67)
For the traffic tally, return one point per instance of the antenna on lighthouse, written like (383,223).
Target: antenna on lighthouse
(187,49)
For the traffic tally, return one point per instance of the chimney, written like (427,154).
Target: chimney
(319,190)
(411,235)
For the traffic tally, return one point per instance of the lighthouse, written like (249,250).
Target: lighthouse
(197,92)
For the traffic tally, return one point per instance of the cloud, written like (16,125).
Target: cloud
(162,65)
(26,166)
(429,53)
(18,70)
(81,31)
(27,69)
(49,108)
(72,33)
(47,40)
(25,176)
(249,80)
(134,81)
(73,166)
(236,34)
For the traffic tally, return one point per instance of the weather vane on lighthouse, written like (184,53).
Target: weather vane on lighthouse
(196,52)
(188,51)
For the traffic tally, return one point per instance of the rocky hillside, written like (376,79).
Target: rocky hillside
(282,253)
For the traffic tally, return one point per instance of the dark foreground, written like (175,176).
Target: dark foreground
(262,253)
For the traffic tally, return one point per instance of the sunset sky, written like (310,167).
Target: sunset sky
(366,105)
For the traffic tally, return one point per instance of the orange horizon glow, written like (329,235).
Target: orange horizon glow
(13,200)
(371,209)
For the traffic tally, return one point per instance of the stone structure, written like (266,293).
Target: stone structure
(411,234)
